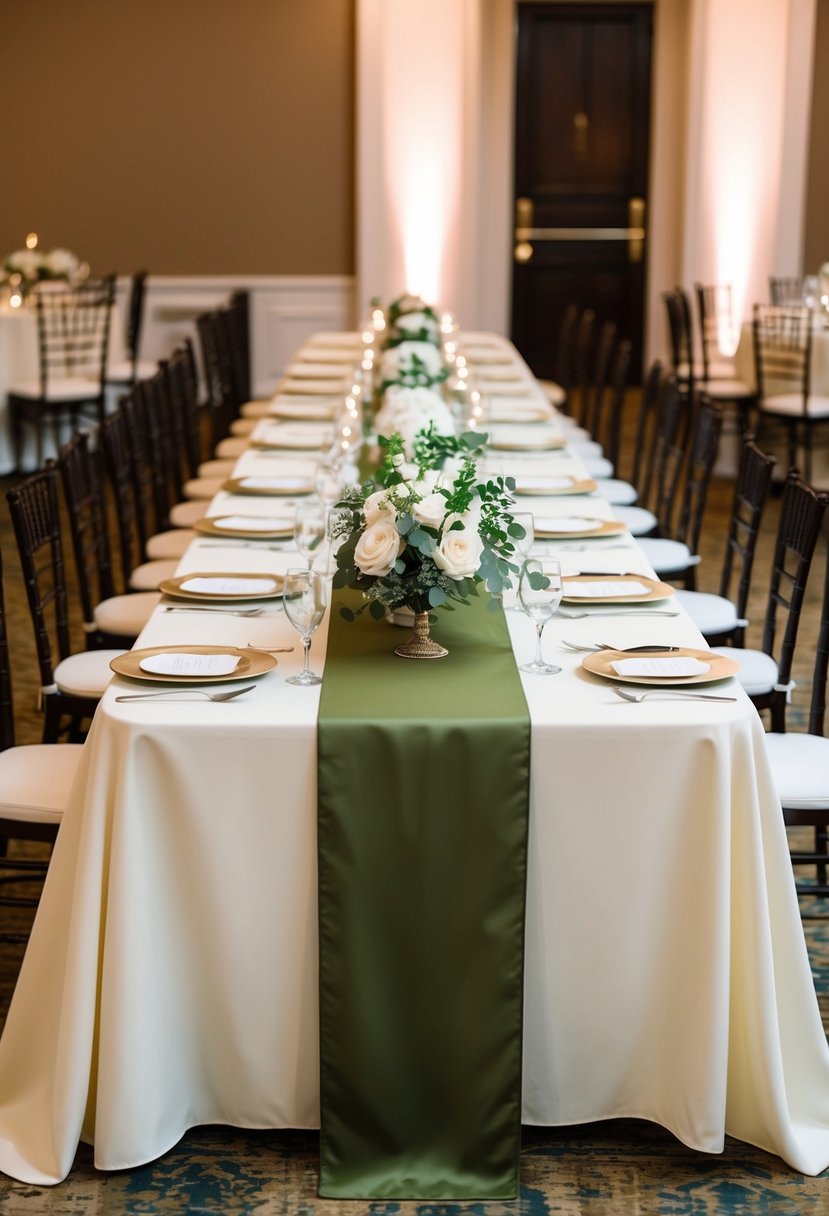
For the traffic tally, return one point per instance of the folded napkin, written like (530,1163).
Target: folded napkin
(322,370)
(542,485)
(295,485)
(525,437)
(320,388)
(518,411)
(660,667)
(229,586)
(565,523)
(312,411)
(172,664)
(252,523)
(597,590)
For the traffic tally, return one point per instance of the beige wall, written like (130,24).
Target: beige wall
(183,136)
(816,241)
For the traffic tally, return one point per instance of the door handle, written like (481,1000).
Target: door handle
(524,215)
(636,228)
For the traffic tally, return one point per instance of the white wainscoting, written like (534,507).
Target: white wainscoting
(284,310)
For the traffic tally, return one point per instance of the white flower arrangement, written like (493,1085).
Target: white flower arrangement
(27,267)
(411,358)
(417,543)
(410,411)
(421,325)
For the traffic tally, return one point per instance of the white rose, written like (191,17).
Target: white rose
(24,261)
(377,506)
(378,548)
(459,552)
(400,358)
(407,470)
(428,481)
(61,262)
(417,322)
(430,511)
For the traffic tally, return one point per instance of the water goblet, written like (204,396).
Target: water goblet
(540,591)
(305,596)
(328,479)
(310,528)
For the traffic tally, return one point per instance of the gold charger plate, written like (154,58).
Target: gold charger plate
(209,527)
(604,527)
(544,443)
(288,486)
(173,586)
(576,486)
(656,590)
(251,663)
(600,664)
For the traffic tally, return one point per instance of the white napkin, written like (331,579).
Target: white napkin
(520,411)
(251,523)
(190,664)
(285,437)
(294,484)
(596,590)
(323,370)
(312,411)
(319,388)
(660,667)
(565,523)
(229,586)
(542,485)
(526,436)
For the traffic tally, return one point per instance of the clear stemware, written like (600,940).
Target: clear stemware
(523,545)
(310,528)
(305,596)
(328,479)
(540,592)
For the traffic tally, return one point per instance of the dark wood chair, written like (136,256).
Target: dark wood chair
(35,780)
(785,289)
(766,674)
(558,389)
(73,339)
(721,618)
(109,619)
(719,380)
(783,356)
(71,683)
(673,554)
(132,368)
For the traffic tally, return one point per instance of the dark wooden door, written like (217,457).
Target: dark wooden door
(581,171)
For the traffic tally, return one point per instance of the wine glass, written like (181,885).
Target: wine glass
(523,545)
(540,592)
(328,479)
(310,528)
(305,596)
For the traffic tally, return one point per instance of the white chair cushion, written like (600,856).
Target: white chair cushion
(555,393)
(758,671)
(165,545)
(240,427)
(217,468)
(122,371)
(148,575)
(722,369)
(185,514)
(617,493)
(710,613)
(800,765)
(202,487)
(792,403)
(126,615)
(86,674)
(728,390)
(585,449)
(66,388)
(597,467)
(232,447)
(637,520)
(667,556)
(255,409)
(35,780)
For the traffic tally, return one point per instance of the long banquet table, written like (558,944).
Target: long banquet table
(171,977)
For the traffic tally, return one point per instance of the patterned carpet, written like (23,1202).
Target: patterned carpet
(619,1168)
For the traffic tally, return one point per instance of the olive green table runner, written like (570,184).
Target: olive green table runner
(422,815)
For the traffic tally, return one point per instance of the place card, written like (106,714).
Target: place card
(671,667)
(598,590)
(565,523)
(252,523)
(228,586)
(189,665)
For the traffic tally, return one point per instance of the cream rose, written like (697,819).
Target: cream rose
(377,506)
(430,510)
(378,548)
(459,552)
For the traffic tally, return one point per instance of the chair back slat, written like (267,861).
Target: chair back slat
(751,493)
(83,492)
(701,457)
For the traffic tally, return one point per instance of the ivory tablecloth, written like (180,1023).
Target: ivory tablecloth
(171,978)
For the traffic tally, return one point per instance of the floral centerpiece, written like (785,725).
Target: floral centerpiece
(417,542)
(25,268)
(409,411)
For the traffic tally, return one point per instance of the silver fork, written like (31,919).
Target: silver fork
(666,694)
(577,616)
(218,611)
(188,694)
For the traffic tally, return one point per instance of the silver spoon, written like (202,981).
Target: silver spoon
(666,694)
(188,694)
